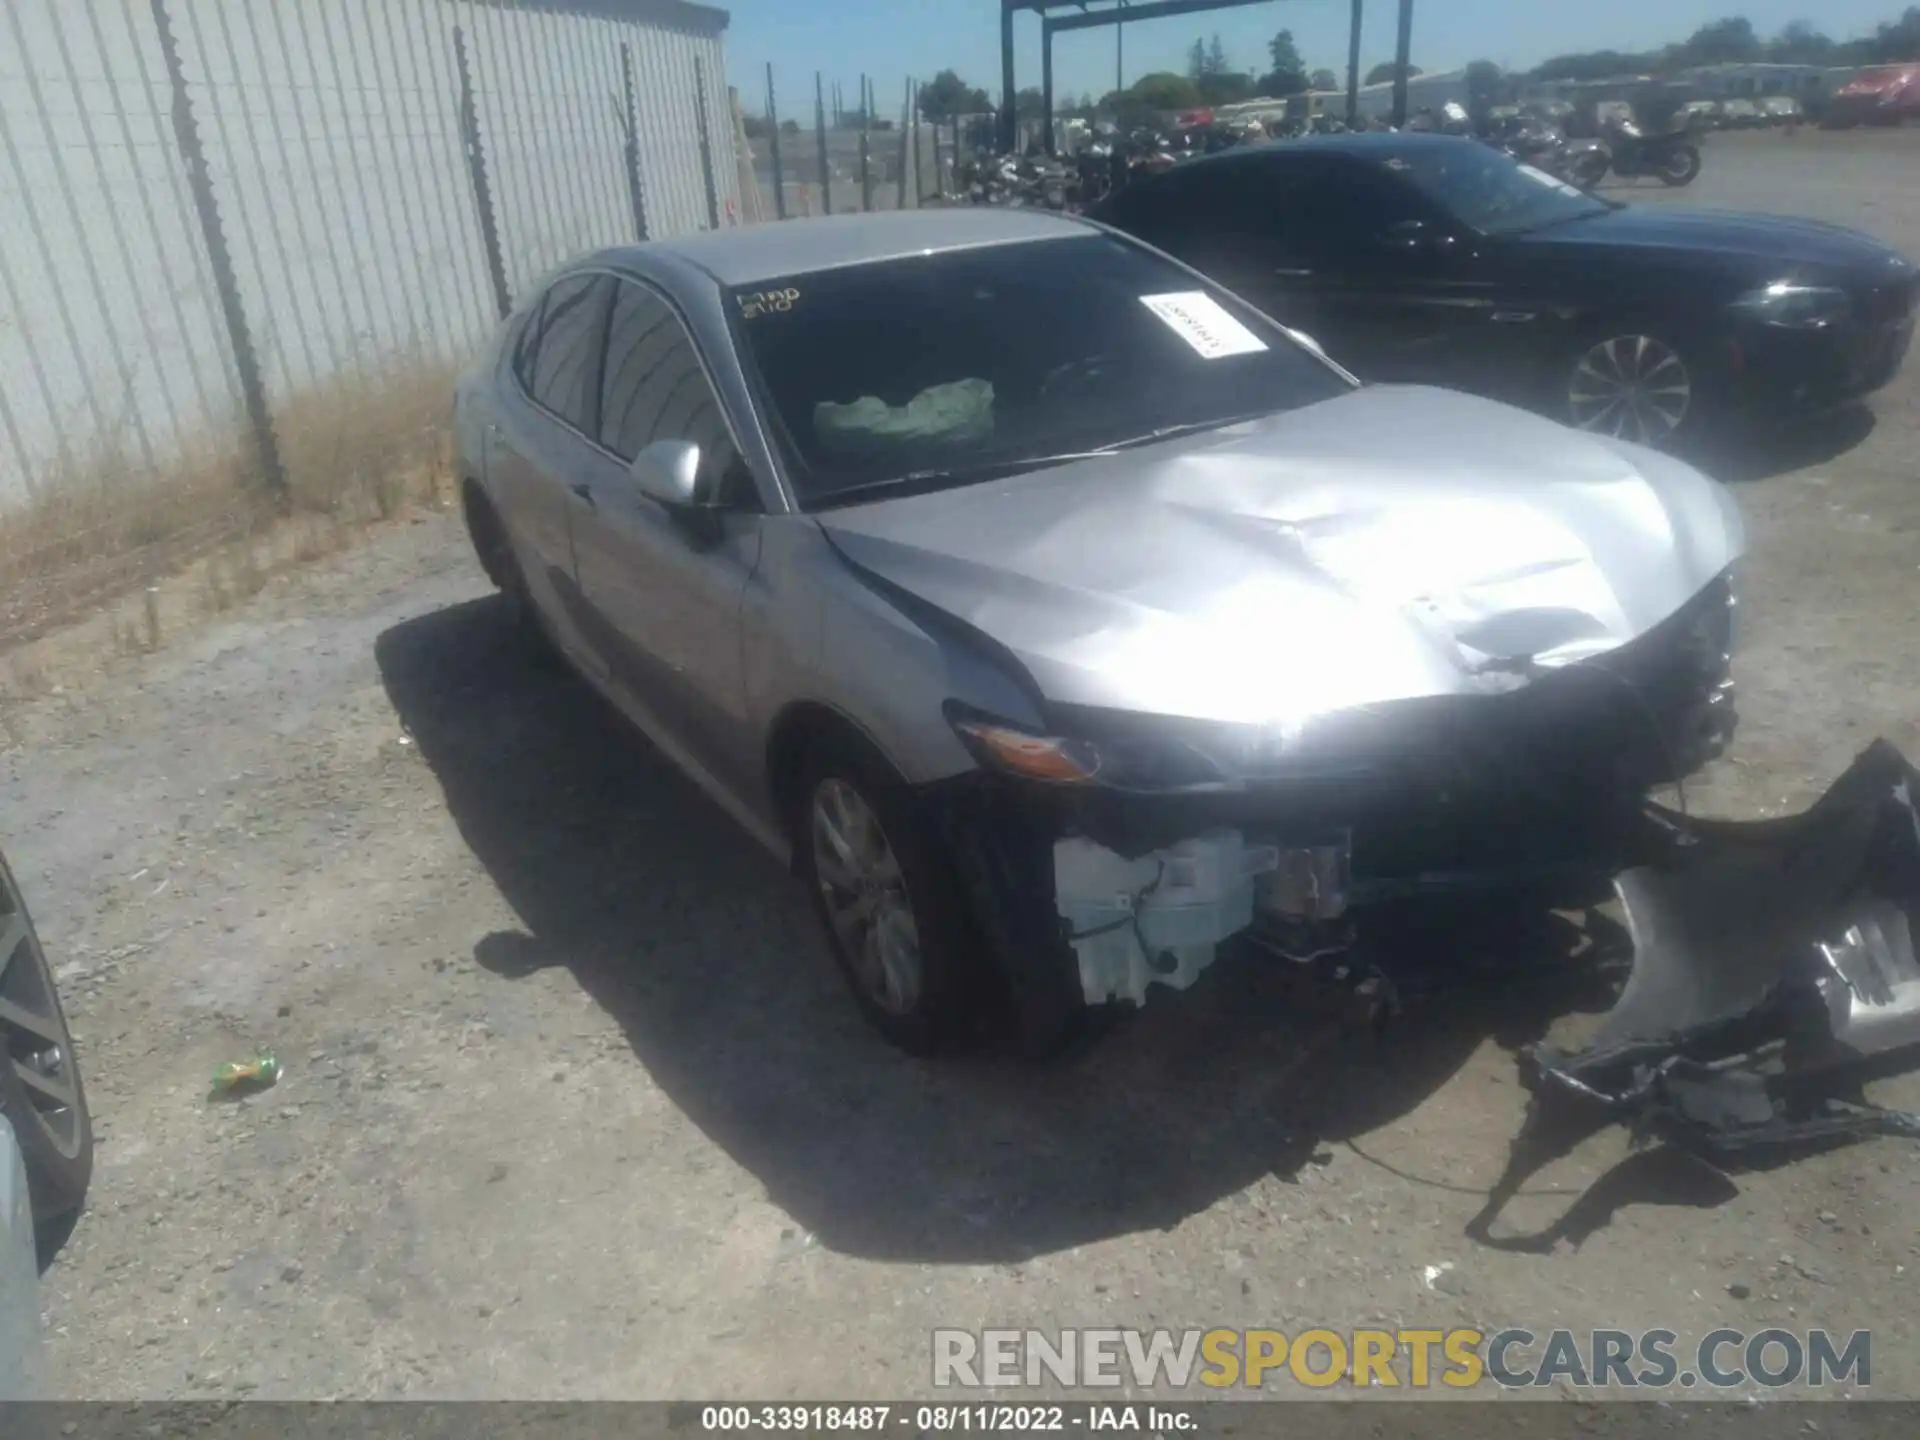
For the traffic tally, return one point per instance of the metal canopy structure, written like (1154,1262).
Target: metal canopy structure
(1095,14)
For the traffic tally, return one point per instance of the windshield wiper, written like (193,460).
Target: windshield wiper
(1174,432)
(920,480)
(915,481)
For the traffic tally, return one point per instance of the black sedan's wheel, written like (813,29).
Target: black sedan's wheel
(1633,386)
(889,908)
(40,1090)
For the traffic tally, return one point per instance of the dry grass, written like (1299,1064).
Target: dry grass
(357,449)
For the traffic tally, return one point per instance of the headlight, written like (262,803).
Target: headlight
(1143,763)
(1798,307)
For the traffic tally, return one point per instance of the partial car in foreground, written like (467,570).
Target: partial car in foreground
(40,1089)
(1432,259)
(1061,616)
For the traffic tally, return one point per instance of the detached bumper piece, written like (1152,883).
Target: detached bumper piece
(1774,971)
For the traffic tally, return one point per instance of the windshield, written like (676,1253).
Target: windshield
(1491,192)
(950,367)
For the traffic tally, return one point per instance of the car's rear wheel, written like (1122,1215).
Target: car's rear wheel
(886,900)
(40,1090)
(1631,384)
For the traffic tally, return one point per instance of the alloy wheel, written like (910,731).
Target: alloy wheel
(34,1040)
(1632,387)
(865,896)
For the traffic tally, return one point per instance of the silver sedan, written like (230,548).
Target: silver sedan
(1061,617)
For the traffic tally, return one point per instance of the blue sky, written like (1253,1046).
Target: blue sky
(892,39)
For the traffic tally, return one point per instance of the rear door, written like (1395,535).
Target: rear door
(539,446)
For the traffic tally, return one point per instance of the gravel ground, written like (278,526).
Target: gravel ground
(574,1107)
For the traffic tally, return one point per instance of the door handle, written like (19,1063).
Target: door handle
(584,492)
(1293,274)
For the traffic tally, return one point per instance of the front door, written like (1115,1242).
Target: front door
(664,593)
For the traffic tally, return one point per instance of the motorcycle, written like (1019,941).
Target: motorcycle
(1672,157)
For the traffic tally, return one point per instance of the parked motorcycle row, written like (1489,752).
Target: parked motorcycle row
(1619,147)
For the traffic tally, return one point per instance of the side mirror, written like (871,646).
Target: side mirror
(668,473)
(1306,342)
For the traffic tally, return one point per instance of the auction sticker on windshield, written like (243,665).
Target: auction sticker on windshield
(1200,320)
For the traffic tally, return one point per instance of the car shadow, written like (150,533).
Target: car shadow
(1759,452)
(703,951)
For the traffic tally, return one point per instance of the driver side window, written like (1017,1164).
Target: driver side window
(655,388)
(1335,213)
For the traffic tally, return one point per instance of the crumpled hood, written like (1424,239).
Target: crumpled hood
(1383,545)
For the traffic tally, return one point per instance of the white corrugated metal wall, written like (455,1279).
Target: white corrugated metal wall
(335,155)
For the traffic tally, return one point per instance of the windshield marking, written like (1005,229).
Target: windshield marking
(1203,322)
(768,302)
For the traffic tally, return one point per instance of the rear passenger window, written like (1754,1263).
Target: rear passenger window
(563,372)
(656,389)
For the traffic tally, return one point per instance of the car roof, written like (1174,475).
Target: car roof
(748,254)
(1369,145)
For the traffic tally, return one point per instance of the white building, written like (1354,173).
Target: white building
(1748,82)
(1424,92)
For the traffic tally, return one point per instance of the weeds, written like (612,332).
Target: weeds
(357,449)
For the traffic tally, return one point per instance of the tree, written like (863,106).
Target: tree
(1229,87)
(1289,73)
(1800,44)
(1286,55)
(1484,82)
(1163,90)
(1723,41)
(1323,79)
(1030,104)
(789,127)
(1216,57)
(1386,70)
(947,95)
(756,126)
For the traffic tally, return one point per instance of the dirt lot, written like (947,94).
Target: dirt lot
(574,1106)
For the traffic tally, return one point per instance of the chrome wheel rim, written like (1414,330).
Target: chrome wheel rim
(1632,387)
(865,897)
(34,1042)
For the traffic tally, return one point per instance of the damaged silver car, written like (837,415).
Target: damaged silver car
(1062,617)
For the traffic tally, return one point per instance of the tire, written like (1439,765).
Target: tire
(911,966)
(1589,169)
(1658,404)
(40,1090)
(1681,166)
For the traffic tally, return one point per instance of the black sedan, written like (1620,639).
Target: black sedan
(1441,260)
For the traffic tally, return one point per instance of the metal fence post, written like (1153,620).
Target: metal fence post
(630,123)
(906,118)
(477,173)
(246,361)
(820,134)
(866,148)
(706,143)
(913,122)
(773,141)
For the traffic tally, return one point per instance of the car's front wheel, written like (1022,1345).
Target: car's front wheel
(888,904)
